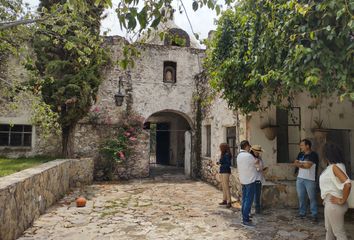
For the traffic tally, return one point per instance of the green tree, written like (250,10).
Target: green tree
(69,61)
(68,48)
(265,52)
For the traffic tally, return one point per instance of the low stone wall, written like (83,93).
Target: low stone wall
(27,194)
(279,194)
(210,174)
(275,194)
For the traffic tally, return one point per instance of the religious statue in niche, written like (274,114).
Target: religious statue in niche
(169,74)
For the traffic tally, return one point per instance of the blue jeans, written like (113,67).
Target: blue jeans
(306,188)
(257,196)
(248,191)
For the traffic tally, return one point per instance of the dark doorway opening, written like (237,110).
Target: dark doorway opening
(342,138)
(163,143)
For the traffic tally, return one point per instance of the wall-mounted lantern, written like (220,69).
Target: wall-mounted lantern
(119,96)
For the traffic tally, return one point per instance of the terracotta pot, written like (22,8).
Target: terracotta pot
(80,202)
(270,132)
(320,133)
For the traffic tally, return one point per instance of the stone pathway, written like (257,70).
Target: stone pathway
(167,207)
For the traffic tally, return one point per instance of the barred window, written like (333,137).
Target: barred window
(288,136)
(15,135)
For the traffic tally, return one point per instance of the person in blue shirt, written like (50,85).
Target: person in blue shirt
(307,165)
(225,171)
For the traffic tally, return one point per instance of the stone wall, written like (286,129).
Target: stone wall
(88,139)
(137,166)
(27,194)
(274,194)
(210,174)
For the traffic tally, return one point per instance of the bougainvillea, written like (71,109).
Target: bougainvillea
(122,146)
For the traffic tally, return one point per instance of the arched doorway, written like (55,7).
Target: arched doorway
(170,141)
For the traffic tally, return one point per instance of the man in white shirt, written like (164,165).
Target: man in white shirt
(307,162)
(248,174)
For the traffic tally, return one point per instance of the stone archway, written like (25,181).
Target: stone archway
(170,140)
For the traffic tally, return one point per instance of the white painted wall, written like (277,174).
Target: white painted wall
(188,153)
(219,118)
(151,94)
(335,114)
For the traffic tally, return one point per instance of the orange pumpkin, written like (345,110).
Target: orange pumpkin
(80,202)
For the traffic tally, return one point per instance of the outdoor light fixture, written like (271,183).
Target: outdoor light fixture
(119,97)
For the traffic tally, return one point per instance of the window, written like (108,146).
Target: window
(208,140)
(15,135)
(288,137)
(169,72)
(231,141)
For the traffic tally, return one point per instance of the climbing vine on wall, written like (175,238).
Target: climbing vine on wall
(202,99)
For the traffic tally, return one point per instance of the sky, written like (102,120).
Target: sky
(203,20)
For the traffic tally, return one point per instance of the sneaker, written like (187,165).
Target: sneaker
(300,216)
(223,203)
(248,224)
(228,205)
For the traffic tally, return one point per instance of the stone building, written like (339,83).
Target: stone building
(279,133)
(161,88)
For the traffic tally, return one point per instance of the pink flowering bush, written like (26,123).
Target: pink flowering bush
(98,115)
(121,147)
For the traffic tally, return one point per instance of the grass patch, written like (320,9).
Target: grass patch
(12,165)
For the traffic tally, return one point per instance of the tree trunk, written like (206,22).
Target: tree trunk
(68,141)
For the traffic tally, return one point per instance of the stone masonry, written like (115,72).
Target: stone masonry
(89,137)
(165,207)
(25,195)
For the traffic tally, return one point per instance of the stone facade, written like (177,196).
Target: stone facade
(146,94)
(27,194)
(89,137)
(137,165)
(279,188)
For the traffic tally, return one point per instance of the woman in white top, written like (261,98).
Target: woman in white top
(335,188)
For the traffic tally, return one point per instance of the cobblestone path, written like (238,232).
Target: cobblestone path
(167,207)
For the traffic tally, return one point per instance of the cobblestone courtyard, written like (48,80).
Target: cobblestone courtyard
(165,207)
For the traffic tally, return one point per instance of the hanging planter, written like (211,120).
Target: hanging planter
(319,131)
(270,131)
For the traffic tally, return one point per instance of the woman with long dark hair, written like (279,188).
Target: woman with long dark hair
(225,171)
(335,188)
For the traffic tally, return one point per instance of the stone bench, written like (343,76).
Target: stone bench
(25,195)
